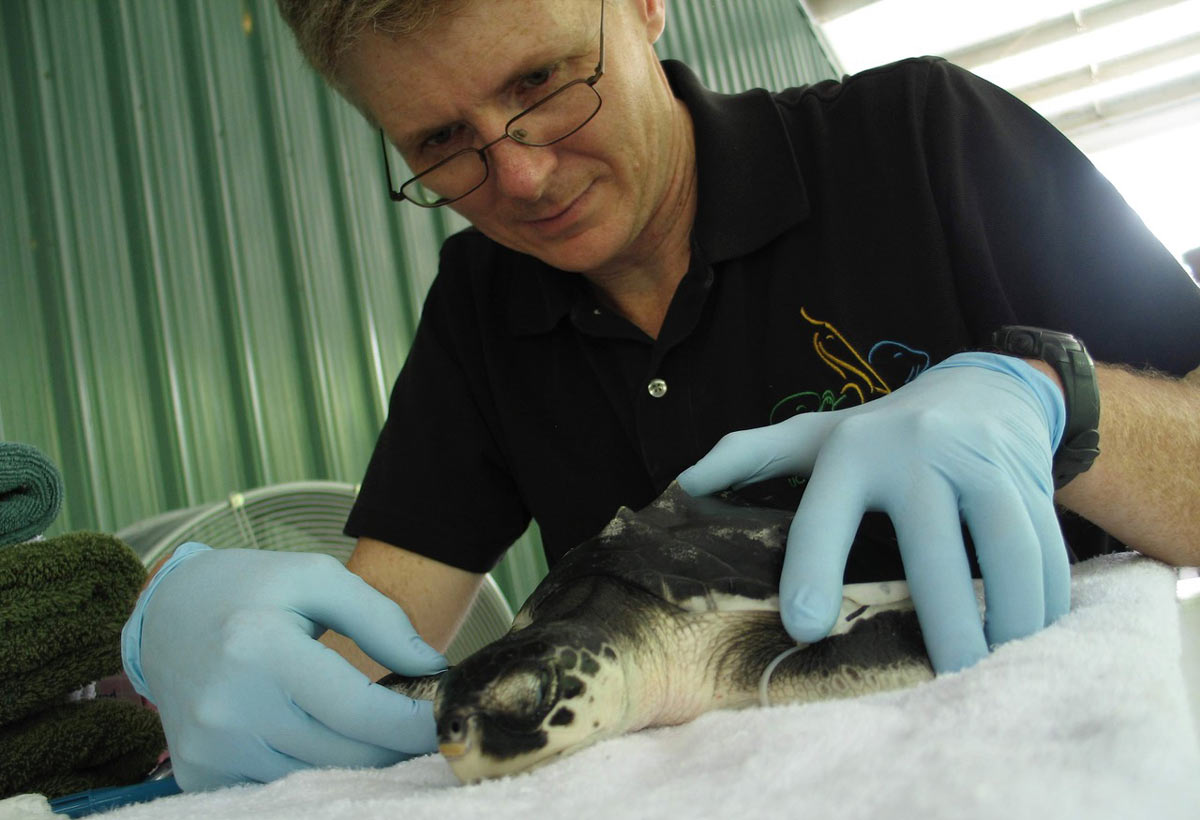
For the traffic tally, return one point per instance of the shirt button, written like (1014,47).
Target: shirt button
(657,388)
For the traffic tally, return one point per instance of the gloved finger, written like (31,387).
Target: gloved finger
(746,456)
(310,742)
(1056,565)
(270,764)
(349,605)
(938,574)
(327,687)
(1010,559)
(193,778)
(822,531)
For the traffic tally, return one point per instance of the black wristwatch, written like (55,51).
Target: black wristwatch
(1070,360)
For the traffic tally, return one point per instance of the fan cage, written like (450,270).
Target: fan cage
(303,516)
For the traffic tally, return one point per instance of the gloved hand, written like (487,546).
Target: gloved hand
(222,641)
(969,440)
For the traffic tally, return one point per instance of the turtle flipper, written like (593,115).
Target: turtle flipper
(878,651)
(420,688)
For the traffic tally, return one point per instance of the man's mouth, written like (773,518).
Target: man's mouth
(553,214)
(559,217)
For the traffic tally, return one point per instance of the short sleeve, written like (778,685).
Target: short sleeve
(1036,232)
(437,483)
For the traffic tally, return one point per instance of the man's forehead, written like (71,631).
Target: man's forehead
(488,32)
(477,50)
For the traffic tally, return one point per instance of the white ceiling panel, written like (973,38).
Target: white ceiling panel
(1120,77)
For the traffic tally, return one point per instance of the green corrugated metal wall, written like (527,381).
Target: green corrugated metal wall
(202,287)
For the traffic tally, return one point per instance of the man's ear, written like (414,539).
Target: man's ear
(654,14)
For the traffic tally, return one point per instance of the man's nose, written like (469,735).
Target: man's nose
(520,171)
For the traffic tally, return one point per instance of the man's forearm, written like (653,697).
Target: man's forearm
(434,596)
(1144,488)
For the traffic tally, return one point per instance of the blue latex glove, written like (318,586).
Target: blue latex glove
(969,440)
(222,641)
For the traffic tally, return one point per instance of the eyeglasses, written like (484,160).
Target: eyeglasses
(551,119)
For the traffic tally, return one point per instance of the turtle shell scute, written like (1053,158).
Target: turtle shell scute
(708,552)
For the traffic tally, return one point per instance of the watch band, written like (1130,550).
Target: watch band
(1066,354)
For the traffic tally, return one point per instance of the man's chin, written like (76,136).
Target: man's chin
(575,252)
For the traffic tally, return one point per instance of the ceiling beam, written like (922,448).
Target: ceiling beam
(825,10)
(1054,30)
(1124,66)
(1182,93)
(1103,135)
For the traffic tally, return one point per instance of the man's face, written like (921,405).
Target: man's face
(582,204)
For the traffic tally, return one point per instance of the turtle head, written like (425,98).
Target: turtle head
(524,700)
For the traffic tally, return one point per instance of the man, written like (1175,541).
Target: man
(652,267)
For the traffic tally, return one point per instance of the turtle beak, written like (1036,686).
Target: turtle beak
(454,737)
(452,751)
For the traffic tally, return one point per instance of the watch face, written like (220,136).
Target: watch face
(1019,340)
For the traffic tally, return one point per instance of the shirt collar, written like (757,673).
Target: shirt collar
(750,191)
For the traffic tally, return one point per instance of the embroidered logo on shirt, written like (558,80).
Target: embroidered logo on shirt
(861,376)
(887,363)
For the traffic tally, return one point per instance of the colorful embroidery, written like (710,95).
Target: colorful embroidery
(861,375)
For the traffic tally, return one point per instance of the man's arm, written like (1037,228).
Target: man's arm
(435,596)
(1144,487)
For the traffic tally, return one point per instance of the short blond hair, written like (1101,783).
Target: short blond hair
(326,29)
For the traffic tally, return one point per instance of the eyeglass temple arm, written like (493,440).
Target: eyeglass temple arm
(396,196)
(600,65)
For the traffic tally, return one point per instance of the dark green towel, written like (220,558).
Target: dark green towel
(31,492)
(63,602)
(77,746)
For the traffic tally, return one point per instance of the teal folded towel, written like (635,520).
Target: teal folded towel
(31,492)
(63,602)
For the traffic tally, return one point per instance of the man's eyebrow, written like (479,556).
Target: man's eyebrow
(539,59)
(574,46)
(531,64)
(410,139)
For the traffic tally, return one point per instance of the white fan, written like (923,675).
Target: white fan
(304,516)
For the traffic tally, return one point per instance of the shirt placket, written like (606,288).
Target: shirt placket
(664,410)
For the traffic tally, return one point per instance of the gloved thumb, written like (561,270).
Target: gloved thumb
(746,456)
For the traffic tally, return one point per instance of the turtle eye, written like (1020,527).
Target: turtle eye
(541,690)
(525,694)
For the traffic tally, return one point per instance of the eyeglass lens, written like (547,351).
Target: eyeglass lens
(461,170)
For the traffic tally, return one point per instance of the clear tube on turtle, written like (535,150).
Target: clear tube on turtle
(763,698)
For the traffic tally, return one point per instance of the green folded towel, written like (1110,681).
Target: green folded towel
(31,492)
(63,602)
(77,746)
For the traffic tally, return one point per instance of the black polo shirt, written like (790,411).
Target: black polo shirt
(848,235)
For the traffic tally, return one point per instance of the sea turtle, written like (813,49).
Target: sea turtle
(667,613)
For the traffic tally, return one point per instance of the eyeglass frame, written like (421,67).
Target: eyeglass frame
(397,194)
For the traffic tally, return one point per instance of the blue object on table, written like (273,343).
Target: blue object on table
(82,804)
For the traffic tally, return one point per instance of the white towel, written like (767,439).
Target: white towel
(1087,719)
(26,807)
